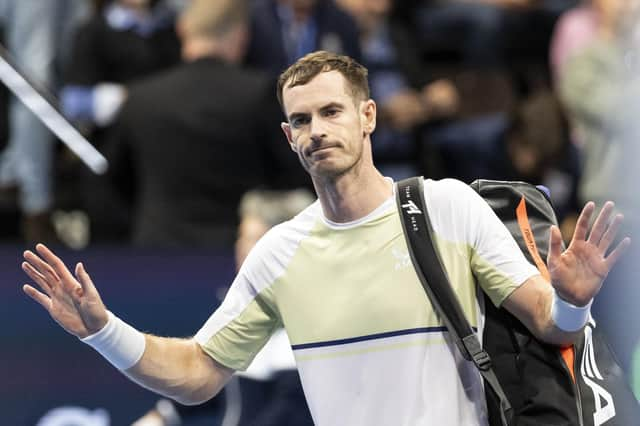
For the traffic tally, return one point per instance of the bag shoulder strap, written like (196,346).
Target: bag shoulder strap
(426,261)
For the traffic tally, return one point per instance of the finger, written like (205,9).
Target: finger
(617,252)
(611,233)
(37,277)
(600,224)
(555,245)
(582,225)
(58,266)
(83,278)
(45,269)
(42,299)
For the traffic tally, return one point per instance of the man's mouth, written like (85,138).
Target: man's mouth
(314,150)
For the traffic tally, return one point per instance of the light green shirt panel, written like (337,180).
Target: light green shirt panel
(455,256)
(360,281)
(236,344)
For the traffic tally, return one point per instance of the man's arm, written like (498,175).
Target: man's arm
(576,274)
(179,369)
(531,303)
(176,368)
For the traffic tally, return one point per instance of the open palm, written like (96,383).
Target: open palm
(578,273)
(73,302)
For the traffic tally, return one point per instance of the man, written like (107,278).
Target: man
(181,135)
(369,347)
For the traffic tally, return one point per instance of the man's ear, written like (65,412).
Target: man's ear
(286,128)
(368,116)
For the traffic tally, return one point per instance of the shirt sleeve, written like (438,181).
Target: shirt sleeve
(496,259)
(247,317)
(463,222)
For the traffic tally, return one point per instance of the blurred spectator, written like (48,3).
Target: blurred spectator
(505,33)
(575,30)
(269,393)
(34,32)
(600,86)
(481,30)
(474,29)
(285,30)
(531,144)
(191,140)
(125,40)
(400,85)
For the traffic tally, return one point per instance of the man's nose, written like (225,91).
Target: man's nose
(318,130)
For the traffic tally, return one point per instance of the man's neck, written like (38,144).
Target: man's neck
(354,195)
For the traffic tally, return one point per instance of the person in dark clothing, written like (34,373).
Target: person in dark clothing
(196,137)
(125,40)
(285,30)
(407,94)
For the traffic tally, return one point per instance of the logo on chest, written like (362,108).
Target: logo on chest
(402,258)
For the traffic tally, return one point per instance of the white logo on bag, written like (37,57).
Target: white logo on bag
(590,372)
(411,208)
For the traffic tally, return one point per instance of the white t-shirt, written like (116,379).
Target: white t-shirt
(369,347)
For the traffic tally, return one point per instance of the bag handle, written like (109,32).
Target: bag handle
(426,261)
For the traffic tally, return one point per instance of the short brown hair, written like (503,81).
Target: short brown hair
(312,64)
(213,18)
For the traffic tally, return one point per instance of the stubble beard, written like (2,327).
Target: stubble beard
(332,172)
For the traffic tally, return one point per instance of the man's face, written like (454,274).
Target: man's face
(325,126)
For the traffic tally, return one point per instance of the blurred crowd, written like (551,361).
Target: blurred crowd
(179,95)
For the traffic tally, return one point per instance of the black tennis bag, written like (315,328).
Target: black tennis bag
(527,382)
(582,386)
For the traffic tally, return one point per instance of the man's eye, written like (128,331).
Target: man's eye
(331,112)
(299,121)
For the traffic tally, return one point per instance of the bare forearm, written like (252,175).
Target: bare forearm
(178,369)
(532,304)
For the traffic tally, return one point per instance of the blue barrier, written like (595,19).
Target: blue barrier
(42,368)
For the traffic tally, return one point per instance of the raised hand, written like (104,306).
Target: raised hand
(578,272)
(73,302)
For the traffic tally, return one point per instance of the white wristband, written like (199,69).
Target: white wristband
(569,317)
(121,344)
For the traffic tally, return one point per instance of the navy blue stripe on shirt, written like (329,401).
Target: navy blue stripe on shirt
(370,337)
